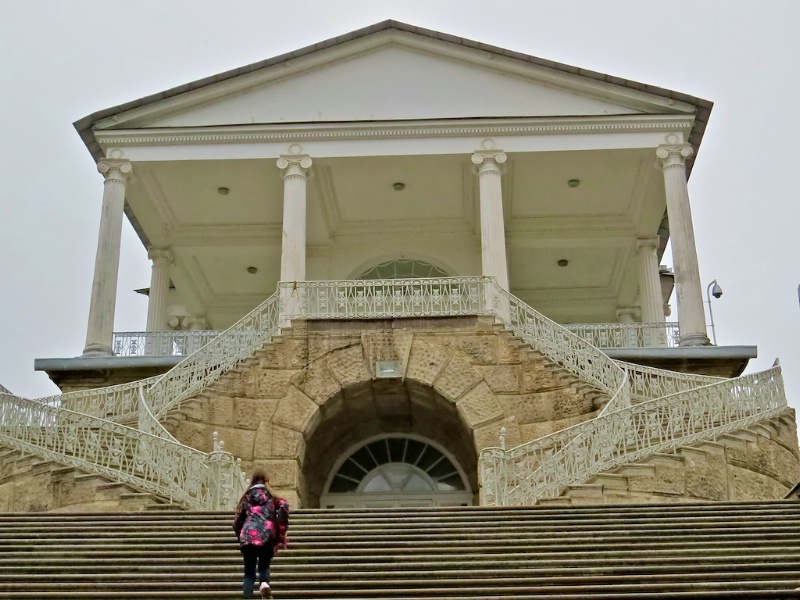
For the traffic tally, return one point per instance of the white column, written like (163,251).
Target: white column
(493,232)
(691,317)
(106,266)
(651,299)
(293,247)
(626,315)
(159,289)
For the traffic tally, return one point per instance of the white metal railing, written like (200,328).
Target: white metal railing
(149,400)
(149,462)
(648,383)
(628,335)
(160,343)
(539,469)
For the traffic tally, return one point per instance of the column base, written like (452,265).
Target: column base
(97,351)
(694,339)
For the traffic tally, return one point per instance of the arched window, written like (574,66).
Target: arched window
(396,471)
(403,268)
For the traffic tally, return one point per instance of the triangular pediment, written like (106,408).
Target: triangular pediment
(392,75)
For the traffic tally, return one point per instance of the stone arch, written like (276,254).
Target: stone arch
(337,402)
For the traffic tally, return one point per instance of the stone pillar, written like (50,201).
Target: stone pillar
(100,329)
(626,315)
(159,289)
(691,316)
(651,300)
(293,247)
(493,233)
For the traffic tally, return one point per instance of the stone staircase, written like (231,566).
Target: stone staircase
(31,483)
(757,462)
(711,551)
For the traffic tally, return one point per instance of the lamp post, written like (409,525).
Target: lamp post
(715,290)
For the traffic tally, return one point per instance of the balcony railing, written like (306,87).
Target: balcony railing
(627,335)
(160,343)
(600,335)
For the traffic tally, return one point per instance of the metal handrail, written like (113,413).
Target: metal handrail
(538,469)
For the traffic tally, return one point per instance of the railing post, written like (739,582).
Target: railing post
(223,474)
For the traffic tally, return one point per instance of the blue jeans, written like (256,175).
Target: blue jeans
(260,556)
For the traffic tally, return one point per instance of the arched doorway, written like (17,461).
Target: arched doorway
(396,471)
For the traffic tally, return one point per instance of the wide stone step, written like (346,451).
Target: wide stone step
(733,550)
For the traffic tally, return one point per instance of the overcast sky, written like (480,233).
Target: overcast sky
(60,61)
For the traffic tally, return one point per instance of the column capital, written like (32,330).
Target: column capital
(649,244)
(488,160)
(670,155)
(118,169)
(294,165)
(158,254)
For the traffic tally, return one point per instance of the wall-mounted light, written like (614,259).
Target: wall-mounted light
(573,183)
(563,262)
(223,191)
(398,186)
(252,270)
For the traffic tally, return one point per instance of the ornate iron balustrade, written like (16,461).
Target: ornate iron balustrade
(522,475)
(648,383)
(385,298)
(160,343)
(149,462)
(573,353)
(627,335)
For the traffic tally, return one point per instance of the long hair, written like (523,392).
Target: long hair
(259,476)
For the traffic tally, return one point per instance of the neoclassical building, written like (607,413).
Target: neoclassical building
(403,268)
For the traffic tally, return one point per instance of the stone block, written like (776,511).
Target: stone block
(479,406)
(456,378)
(667,480)
(249,413)
(527,408)
(295,410)
(533,431)
(273,441)
(478,349)
(273,383)
(347,366)
(283,473)
(426,361)
(536,377)
(503,379)
(488,436)
(568,403)
(320,345)
(706,475)
(317,382)
(220,410)
(748,485)
(508,350)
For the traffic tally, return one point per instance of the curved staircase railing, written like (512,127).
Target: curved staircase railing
(539,469)
(148,462)
(648,383)
(148,401)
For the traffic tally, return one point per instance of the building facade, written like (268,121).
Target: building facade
(403,268)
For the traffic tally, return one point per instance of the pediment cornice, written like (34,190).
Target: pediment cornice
(249,134)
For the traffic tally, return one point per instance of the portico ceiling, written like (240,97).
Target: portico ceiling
(356,217)
(390,116)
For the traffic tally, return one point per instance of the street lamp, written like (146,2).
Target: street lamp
(715,290)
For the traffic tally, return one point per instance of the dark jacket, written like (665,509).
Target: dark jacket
(262,519)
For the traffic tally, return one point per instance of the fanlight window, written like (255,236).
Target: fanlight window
(399,465)
(403,269)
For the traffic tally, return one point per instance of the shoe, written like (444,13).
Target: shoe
(266,592)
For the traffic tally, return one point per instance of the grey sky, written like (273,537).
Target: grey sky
(60,61)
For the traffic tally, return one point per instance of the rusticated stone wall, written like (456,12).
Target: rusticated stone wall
(311,394)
